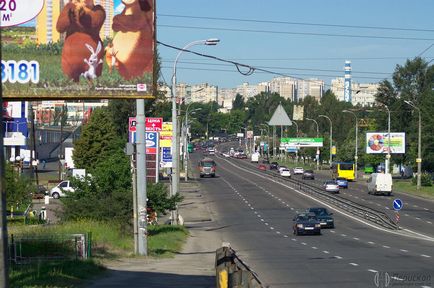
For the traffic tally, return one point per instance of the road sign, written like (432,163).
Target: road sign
(397,204)
(154,124)
(166,159)
(132,124)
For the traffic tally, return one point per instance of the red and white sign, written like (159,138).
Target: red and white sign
(132,124)
(154,124)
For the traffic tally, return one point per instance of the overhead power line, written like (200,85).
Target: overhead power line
(297,23)
(296,33)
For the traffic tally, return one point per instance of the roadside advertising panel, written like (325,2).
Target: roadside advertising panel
(166,135)
(298,113)
(249,134)
(154,124)
(240,135)
(151,142)
(301,142)
(166,157)
(75,49)
(378,143)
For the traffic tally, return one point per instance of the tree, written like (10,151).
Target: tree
(18,188)
(99,139)
(238,103)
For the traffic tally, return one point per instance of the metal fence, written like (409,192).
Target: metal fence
(25,249)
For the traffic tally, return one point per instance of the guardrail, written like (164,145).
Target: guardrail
(231,271)
(359,210)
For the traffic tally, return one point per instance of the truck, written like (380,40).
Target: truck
(380,183)
(207,167)
(69,163)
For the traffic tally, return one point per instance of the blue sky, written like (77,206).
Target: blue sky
(289,48)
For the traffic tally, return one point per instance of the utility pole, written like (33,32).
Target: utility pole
(141,177)
(33,156)
(61,144)
(4,263)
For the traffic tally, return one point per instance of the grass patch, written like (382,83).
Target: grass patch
(109,241)
(406,186)
(166,240)
(53,273)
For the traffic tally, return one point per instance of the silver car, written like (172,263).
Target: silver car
(331,186)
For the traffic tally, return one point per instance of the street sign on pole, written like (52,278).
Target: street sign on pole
(154,124)
(397,204)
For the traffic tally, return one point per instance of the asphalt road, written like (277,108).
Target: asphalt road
(255,215)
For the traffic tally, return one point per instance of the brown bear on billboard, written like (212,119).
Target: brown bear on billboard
(133,42)
(82,52)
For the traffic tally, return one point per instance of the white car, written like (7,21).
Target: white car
(59,190)
(285,172)
(298,170)
(281,168)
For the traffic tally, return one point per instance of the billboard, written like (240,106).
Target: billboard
(377,143)
(76,49)
(298,113)
(302,142)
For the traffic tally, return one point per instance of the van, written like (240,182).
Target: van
(255,157)
(59,190)
(380,183)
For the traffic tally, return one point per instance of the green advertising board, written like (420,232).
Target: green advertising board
(302,142)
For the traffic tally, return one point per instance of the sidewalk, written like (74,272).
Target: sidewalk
(193,267)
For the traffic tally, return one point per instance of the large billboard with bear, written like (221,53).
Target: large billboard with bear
(78,49)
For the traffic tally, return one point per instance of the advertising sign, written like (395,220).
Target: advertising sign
(249,134)
(377,143)
(166,157)
(302,142)
(298,113)
(151,142)
(166,135)
(154,124)
(240,135)
(132,124)
(75,49)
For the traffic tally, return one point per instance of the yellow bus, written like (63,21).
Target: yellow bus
(343,170)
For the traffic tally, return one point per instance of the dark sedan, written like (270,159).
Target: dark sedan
(325,218)
(308,174)
(306,223)
(274,166)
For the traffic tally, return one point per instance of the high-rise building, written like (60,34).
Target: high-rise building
(106,29)
(46,22)
(347,86)
(364,94)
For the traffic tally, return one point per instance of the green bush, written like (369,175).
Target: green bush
(425,180)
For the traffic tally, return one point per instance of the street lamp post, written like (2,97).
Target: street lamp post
(317,148)
(331,137)
(296,135)
(387,162)
(357,140)
(419,144)
(175,143)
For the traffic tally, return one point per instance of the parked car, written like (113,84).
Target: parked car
(59,190)
(380,183)
(308,174)
(274,166)
(298,171)
(306,223)
(324,217)
(331,186)
(342,182)
(285,172)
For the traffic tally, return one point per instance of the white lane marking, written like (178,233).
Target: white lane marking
(370,242)
(286,236)
(292,208)
(293,239)
(266,223)
(302,243)
(406,215)
(363,200)
(372,270)
(429,222)
(259,215)
(262,220)
(343,235)
(332,231)
(256,212)
(355,238)
(251,208)
(326,252)
(387,208)
(272,228)
(313,247)
(421,236)
(426,256)
(403,250)
(338,257)
(278,232)
(415,206)
(385,246)
(426,209)
(354,264)
(397,278)
(425,286)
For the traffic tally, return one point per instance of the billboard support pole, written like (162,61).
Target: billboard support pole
(141,177)
(4,267)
